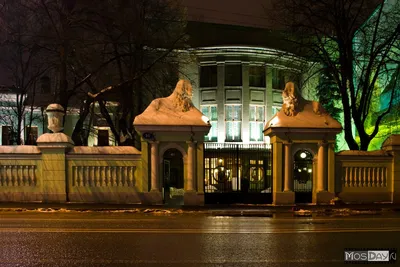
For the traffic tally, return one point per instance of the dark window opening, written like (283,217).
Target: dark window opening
(208,76)
(233,75)
(278,79)
(257,76)
(6,135)
(31,135)
(102,137)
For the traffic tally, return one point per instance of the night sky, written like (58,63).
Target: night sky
(236,12)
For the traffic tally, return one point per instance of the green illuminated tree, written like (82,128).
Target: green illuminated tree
(357,43)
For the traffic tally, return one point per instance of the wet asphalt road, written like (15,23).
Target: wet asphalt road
(125,239)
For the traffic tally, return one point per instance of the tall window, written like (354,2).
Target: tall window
(102,137)
(257,118)
(278,79)
(233,123)
(233,75)
(210,112)
(31,134)
(257,76)
(275,110)
(208,76)
(6,135)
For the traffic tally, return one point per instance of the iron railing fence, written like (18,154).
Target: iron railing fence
(245,168)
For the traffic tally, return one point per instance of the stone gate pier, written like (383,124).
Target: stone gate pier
(302,126)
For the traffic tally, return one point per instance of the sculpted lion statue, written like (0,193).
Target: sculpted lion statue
(182,95)
(293,102)
(290,99)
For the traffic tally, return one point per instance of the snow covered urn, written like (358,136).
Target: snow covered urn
(55,114)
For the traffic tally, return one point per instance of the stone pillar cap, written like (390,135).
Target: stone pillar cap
(55,108)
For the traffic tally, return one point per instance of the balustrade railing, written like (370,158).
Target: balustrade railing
(102,176)
(365,176)
(17,175)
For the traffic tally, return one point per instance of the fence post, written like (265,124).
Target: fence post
(54,171)
(392,146)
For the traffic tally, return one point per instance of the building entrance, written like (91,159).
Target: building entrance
(303,173)
(173,184)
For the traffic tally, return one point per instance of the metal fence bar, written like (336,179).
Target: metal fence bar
(237,168)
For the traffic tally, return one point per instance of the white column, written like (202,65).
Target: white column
(190,166)
(154,166)
(245,102)
(321,167)
(331,167)
(221,101)
(288,168)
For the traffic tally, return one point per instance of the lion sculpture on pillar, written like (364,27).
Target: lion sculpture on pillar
(293,102)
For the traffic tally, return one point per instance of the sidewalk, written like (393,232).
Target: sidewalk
(222,210)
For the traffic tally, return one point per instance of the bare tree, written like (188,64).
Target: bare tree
(114,51)
(357,42)
(20,59)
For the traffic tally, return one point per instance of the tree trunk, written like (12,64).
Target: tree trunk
(77,133)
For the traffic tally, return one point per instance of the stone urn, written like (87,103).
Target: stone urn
(55,114)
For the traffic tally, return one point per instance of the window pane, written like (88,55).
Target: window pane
(214,131)
(233,131)
(237,131)
(256,131)
(211,113)
(237,115)
(252,113)
(208,76)
(278,79)
(204,110)
(228,113)
(260,131)
(260,113)
(233,75)
(214,114)
(275,110)
(257,76)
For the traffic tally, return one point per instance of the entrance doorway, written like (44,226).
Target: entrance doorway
(173,189)
(303,173)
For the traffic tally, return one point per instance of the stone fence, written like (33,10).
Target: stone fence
(364,176)
(79,174)
(48,173)
(369,176)
(21,174)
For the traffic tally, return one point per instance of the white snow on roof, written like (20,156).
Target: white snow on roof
(105,150)
(306,118)
(19,150)
(176,109)
(362,153)
(162,111)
